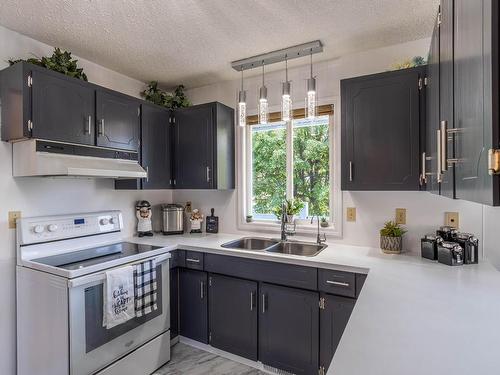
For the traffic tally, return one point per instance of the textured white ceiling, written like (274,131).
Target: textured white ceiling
(194,41)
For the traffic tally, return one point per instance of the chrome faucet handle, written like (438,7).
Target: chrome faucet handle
(321,239)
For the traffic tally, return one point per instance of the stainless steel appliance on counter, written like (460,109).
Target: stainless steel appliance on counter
(172,218)
(61,269)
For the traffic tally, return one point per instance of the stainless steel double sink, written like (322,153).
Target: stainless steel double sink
(308,249)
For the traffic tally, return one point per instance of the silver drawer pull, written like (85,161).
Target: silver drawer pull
(339,283)
(202,289)
(192,260)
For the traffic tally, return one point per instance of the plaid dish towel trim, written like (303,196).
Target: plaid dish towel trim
(145,287)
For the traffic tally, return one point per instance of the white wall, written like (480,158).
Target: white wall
(41,196)
(424,211)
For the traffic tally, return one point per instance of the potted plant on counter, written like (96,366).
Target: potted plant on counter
(391,238)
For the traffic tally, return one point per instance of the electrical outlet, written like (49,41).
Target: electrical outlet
(13,215)
(351,214)
(451,219)
(400,215)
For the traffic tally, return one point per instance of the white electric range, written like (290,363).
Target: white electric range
(61,265)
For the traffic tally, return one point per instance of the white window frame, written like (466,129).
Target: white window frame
(244,163)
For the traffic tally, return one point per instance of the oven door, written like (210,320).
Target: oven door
(92,346)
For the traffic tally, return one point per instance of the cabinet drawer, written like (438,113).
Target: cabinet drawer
(194,260)
(178,258)
(260,270)
(337,282)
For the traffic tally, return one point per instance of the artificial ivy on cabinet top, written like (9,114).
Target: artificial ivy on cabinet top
(174,100)
(60,61)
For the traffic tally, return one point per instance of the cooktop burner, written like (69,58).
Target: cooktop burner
(90,257)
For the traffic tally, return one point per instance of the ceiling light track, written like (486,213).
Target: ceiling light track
(273,57)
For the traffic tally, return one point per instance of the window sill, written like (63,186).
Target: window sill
(275,227)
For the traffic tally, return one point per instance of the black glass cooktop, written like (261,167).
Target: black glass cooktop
(90,257)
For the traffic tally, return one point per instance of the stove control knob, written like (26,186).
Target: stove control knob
(104,221)
(112,220)
(52,227)
(38,229)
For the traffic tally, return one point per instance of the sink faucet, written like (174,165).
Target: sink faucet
(319,239)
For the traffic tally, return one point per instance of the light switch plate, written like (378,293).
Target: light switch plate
(351,214)
(451,219)
(400,215)
(13,215)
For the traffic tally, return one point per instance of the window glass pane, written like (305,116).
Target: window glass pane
(268,168)
(311,174)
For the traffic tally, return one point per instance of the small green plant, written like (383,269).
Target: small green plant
(293,207)
(60,61)
(392,229)
(158,96)
(323,220)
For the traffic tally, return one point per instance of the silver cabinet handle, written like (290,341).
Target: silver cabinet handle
(251,301)
(350,171)
(438,141)
(202,289)
(339,283)
(101,127)
(147,173)
(444,145)
(423,175)
(263,303)
(208,174)
(192,260)
(89,125)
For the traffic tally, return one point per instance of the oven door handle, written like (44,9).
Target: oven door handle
(98,277)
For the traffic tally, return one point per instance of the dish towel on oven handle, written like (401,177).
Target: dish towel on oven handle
(118,297)
(145,287)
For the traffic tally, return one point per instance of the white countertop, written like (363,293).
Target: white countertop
(413,316)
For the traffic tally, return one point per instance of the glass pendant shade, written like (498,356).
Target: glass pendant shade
(263,106)
(286,102)
(242,108)
(311,98)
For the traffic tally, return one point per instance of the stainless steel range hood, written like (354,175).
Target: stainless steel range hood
(51,159)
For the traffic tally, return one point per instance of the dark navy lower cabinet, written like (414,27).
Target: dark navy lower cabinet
(289,329)
(334,315)
(233,315)
(193,304)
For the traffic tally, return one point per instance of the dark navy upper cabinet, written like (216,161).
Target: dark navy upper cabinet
(63,109)
(233,315)
(193,304)
(432,171)
(289,329)
(204,147)
(118,120)
(334,315)
(381,131)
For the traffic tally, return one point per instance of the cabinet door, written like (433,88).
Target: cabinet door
(333,320)
(193,305)
(174,302)
(194,145)
(446,96)
(380,131)
(289,329)
(63,109)
(233,315)
(476,98)
(432,121)
(156,147)
(118,121)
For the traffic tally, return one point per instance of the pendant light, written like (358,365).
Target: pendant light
(263,105)
(311,95)
(286,99)
(242,105)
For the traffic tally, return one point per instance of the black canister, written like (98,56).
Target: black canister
(447,233)
(470,245)
(450,253)
(428,246)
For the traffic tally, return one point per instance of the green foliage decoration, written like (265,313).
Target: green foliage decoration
(177,99)
(392,229)
(293,207)
(60,61)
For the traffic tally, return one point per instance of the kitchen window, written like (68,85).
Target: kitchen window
(291,160)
